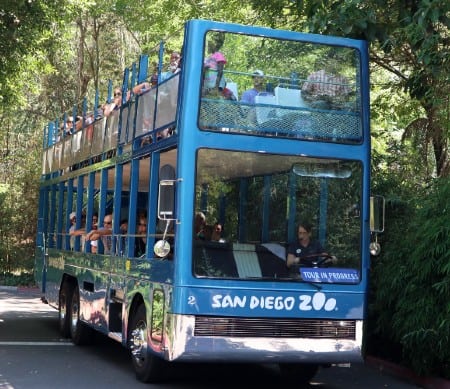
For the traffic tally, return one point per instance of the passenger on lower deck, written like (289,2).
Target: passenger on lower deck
(199,225)
(104,233)
(140,241)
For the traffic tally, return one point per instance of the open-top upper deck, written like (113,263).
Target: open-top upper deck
(250,83)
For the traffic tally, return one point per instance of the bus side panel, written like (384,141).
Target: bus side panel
(92,276)
(54,273)
(40,268)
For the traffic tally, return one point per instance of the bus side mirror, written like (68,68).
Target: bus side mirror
(166,200)
(166,193)
(377,206)
(376,214)
(166,206)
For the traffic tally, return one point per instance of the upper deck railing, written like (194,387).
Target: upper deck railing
(318,98)
(147,118)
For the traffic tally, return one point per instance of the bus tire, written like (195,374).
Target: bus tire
(64,303)
(300,373)
(147,367)
(80,332)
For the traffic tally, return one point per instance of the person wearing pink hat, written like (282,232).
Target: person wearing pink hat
(214,81)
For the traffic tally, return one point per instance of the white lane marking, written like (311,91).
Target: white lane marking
(64,343)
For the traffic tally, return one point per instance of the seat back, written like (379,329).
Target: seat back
(289,97)
(265,109)
(246,260)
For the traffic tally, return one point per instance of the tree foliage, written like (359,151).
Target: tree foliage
(409,39)
(23,26)
(411,301)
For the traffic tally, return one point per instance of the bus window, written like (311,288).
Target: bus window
(260,198)
(297,83)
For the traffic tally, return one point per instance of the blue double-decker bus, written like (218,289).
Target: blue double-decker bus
(170,217)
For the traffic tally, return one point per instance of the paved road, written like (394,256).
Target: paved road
(32,355)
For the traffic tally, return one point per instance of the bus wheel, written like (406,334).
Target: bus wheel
(300,373)
(148,368)
(81,334)
(64,309)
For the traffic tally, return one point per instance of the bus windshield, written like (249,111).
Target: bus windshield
(246,198)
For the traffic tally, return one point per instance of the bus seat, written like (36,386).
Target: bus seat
(214,259)
(276,249)
(265,109)
(246,259)
(272,260)
(233,86)
(287,97)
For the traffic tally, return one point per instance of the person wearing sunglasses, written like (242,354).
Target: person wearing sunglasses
(104,233)
(115,104)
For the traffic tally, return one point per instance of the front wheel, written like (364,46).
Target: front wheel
(148,368)
(300,373)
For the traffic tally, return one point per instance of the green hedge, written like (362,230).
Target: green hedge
(410,300)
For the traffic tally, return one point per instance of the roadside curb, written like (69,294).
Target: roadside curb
(8,288)
(20,289)
(407,374)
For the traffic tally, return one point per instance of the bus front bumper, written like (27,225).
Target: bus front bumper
(259,340)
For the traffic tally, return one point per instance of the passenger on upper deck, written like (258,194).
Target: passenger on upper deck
(174,65)
(141,88)
(325,88)
(252,95)
(69,127)
(115,104)
(213,79)
(89,124)
(258,87)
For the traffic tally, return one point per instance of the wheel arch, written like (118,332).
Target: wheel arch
(137,300)
(68,280)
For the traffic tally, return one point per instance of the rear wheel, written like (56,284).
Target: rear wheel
(81,334)
(148,368)
(65,294)
(300,373)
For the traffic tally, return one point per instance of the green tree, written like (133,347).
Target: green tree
(23,25)
(411,40)
(412,282)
